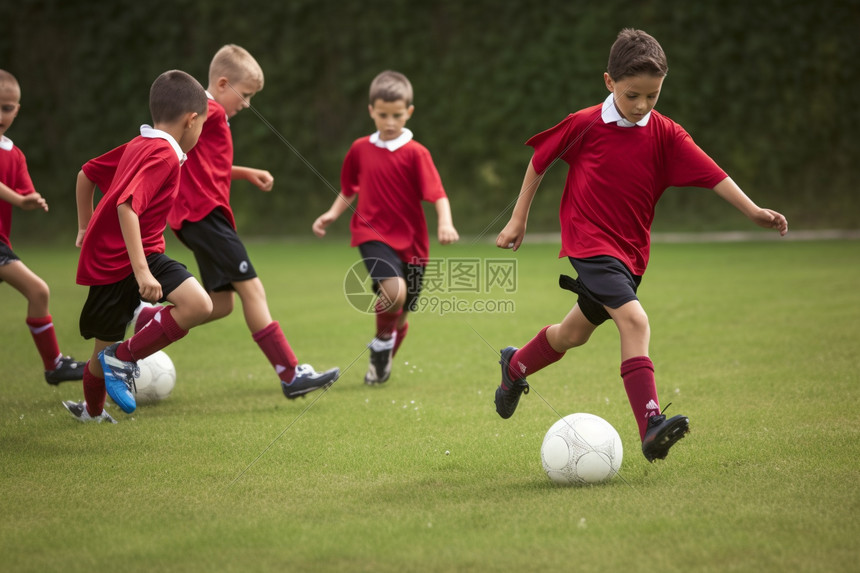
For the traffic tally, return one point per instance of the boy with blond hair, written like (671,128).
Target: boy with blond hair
(17,190)
(392,173)
(203,220)
(122,247)
(623,155)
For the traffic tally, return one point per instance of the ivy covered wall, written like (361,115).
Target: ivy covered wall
(768,88)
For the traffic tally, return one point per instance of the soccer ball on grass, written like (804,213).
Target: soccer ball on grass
(157,378)
(581,449)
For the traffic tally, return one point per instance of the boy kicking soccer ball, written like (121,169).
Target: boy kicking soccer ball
(623,155)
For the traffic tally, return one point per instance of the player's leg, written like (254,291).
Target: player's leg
(414,282)
(91,409)
(58,368)
(547,347)
(389,282)
(266,332)
(637,370)
(389,306)
(104,317)
(296,379)
(389,311)
(222,304)
(255,307)
(401,332)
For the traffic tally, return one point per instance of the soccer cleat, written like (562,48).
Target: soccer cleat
(68,369)
(379,368)
(119,378)
(79,411)
(509,391)
(307,380)
(662,435)
(132,324)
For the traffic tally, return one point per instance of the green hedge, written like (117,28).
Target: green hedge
(768,88)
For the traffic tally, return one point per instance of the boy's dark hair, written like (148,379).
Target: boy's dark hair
(391,86)
(636,52)
(175,93)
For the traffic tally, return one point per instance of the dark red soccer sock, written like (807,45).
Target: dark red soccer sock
(94,392)
(145,315)
(274,345)
(386,323)
(158,333)
(42,329)
(638,376)
(536,354)
(401,334)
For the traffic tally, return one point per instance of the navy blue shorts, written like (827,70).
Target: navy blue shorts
(220,254)
(7,255)
(109,308)
(602,281)
(382,263)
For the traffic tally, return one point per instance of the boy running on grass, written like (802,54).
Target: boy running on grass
(622,156)
(17,190)
(203,220)
(122,248)
(393,174)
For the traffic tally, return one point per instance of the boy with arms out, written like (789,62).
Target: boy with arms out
(393,173)
(203,220)
(122,249)
(622,155)
(17,190)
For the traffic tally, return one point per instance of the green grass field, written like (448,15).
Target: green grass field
(758,343)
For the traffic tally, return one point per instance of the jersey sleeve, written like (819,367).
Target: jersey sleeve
(428,179)
(349,172)
(101,170)
(557,142)
(689,166)
(145,183)
(23,182)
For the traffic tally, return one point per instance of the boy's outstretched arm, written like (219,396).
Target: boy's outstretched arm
(767,218)
(446,232)
(84,191)
(341,204)
(512,235)
(259,177)
(27,202)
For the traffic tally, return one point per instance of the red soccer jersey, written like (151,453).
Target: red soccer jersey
(102,169)
(616,176)
(391,186)
(13,174)
(207,173)
(147,176)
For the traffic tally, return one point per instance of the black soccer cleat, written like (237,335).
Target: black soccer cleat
(509,391)
(307,380)
(662,435)
(379,367)
(68,369)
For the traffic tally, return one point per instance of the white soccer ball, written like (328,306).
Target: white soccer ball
(581,449)
(157,378)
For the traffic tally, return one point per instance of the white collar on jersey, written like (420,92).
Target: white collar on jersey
(213,99)
(610,114)
(392,144)
(6,143)
(147,131)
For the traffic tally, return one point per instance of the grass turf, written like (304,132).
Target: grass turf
(755,342)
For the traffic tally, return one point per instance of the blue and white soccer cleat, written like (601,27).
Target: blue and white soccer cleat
(119,378)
